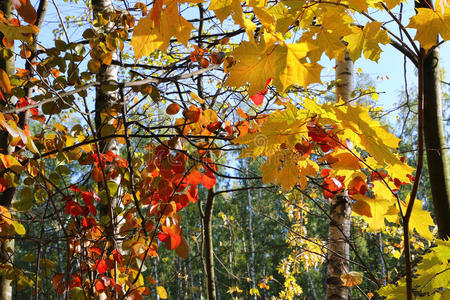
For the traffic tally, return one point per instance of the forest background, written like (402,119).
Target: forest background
(122,124)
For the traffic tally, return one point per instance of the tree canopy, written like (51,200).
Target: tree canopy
(187,148)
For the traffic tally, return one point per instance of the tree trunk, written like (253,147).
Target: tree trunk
(6,198)
(252,246)
(104,102)
(208,246)
(340,210)
(437,158)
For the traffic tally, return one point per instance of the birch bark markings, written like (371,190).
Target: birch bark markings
(340,210)
(8,195)
(104,102)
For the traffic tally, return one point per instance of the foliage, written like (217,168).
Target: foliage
(197,88)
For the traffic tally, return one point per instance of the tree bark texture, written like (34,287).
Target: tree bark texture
(252,246)
(338,248)
(437,153)
(340,210)
(209,247)
(6,198)
(104,102)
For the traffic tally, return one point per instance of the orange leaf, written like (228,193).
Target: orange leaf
(4,82)
(117,256)
(183,249)
(155,13)
(351,278)
(173,109)
(208,180)
(58,284)
(194,178)
(193,114)
(26,11)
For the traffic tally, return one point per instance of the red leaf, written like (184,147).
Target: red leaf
(87,198)
(92,209)
(99,287)
(214,126)
(208,180)
(333,186)
(84,223)
(73,208)
(75,281)
(175,239)
(117,256)
(258,98)
(163,237)
(101,266)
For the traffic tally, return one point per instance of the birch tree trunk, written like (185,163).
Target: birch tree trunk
(7,196)
(340,211)
(104,102)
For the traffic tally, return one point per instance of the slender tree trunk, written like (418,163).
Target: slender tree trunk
(156,276)
(188,258)
(437,153)
(208,246)
(104,102)
(7,196)
(252,246)
(340,211)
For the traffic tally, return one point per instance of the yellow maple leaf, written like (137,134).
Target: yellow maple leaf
(269,170)
(375,210)
(224,8)
(285,64)
(420,221)
(147,37)
(288,176)
(429,24)
(366,40)
(334,23)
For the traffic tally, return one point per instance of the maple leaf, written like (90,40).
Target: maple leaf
(429,24)
(331,24)
(288,175)
(283,63)
(224,8)
(366,39)
(375,210)
(420,221)
(148,37)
